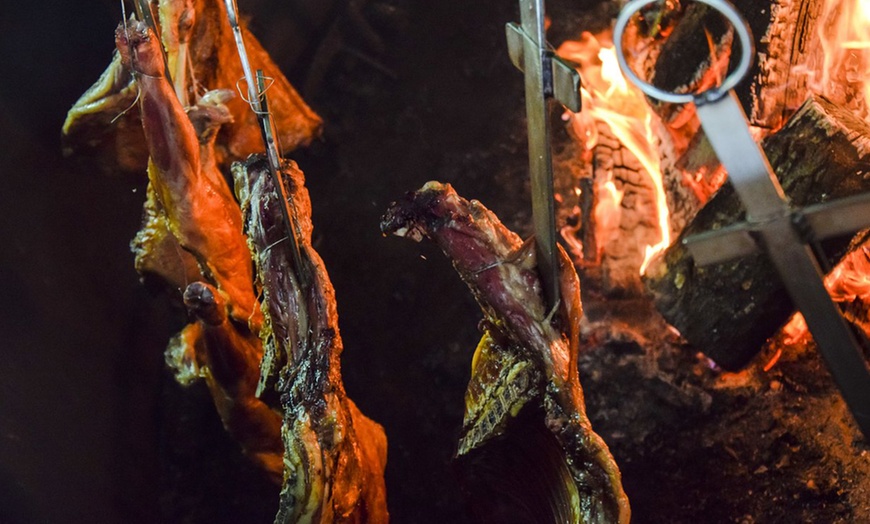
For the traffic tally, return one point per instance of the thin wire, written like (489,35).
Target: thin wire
(138,90)
(199,90)
(259,94)
(132,104)
(124,18)
(275,243)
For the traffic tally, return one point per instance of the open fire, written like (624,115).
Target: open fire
(828,57)
(633,179)
(648,172)
(630,219)
(840,70)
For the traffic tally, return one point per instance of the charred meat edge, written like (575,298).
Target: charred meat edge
(500,271)
(334,455)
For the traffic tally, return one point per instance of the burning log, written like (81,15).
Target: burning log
(780,87)
(625,208)
(729,310)
(812,46)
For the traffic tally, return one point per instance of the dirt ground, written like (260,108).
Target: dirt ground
(696,444)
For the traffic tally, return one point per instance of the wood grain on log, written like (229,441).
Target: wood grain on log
(780,87)
(729,310)
(697,55)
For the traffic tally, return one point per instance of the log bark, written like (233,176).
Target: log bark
(779,86)
(728,310)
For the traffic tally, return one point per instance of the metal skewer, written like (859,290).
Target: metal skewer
(769,214)
(546,77)
(258,101)
(143,12)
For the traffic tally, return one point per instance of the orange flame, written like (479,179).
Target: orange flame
(843,75)
(844,35)
(609,98)
(608,211)
(848,283)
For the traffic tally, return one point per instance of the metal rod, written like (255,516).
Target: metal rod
(258,101)
(538,75)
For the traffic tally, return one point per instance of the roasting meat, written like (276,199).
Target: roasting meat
(187,192)
(334,455)
(192,242)
(294,420)
(201,55)
(527,452)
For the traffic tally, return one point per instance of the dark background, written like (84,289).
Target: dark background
(92,429)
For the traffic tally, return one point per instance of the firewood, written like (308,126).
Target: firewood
(728,310)
(695,56)
(779,87)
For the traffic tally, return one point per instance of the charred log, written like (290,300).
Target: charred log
(728,310)
(779,86)
(629,226)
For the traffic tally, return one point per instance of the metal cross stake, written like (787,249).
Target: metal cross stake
(781,229)
(547,76)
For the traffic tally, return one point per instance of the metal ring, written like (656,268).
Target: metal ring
(710,95)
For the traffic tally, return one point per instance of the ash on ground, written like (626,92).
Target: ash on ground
(696,444)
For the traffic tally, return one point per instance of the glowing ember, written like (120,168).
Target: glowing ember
(844,76)
(610,99)
(849,285)
(773,360)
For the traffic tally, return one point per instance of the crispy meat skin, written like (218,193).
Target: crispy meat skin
(193,233)
(500,270)
(189,191)
(335,456)
(159,257)
(200,42)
